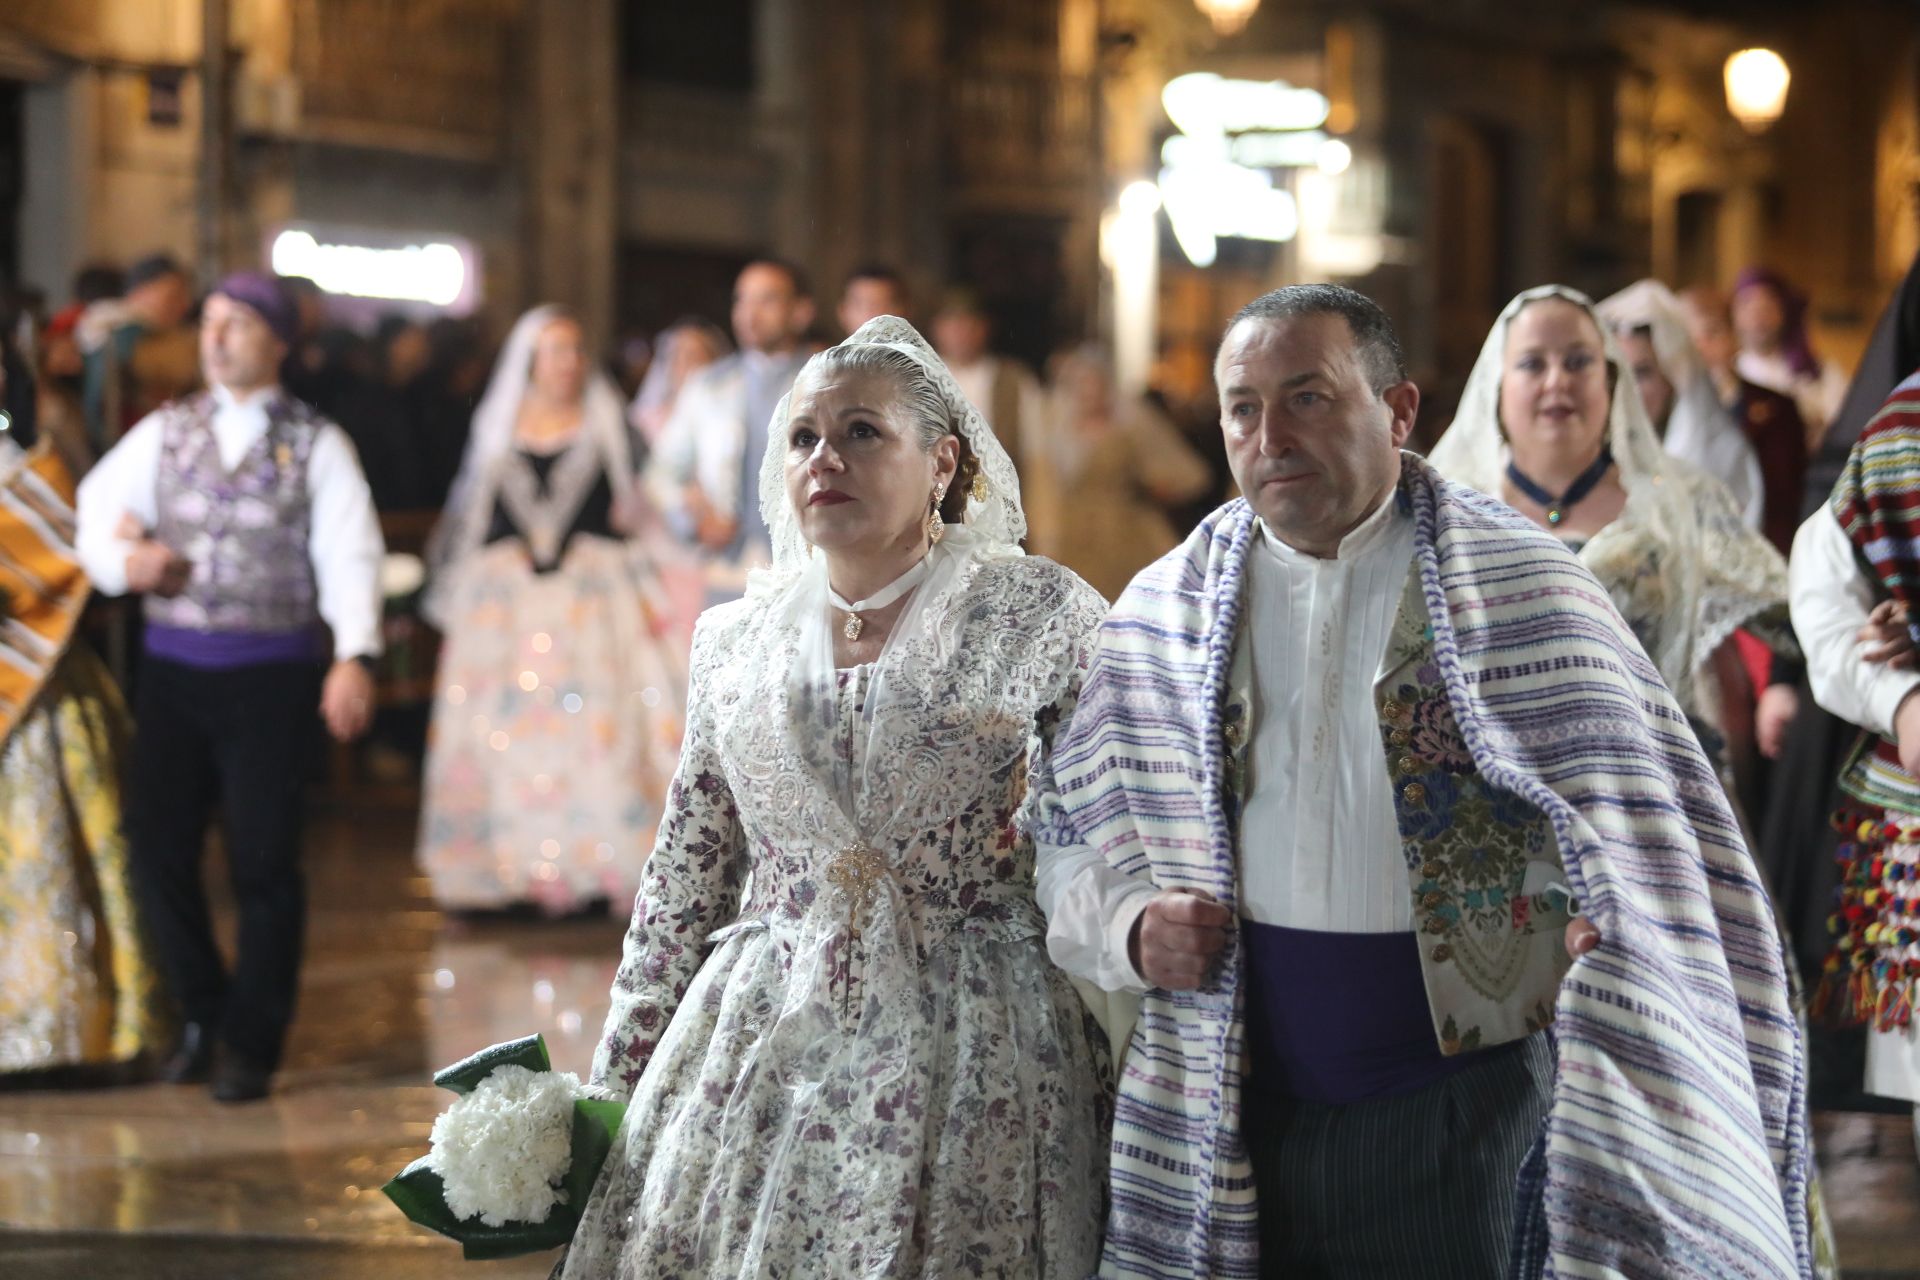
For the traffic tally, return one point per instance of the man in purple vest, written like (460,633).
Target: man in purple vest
(244,519)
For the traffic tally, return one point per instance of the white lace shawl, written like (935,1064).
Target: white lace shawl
(1699,428)
(879,794)
(1678,561)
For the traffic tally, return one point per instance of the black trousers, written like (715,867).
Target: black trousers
(240,737)
(1417,1185)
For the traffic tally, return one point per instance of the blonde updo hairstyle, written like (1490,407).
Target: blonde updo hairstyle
(931,417)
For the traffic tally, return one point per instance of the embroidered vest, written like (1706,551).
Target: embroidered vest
(245,531)
(1483,867)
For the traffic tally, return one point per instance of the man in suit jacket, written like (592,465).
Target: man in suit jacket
(706,471)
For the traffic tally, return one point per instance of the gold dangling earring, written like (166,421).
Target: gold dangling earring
(936,527)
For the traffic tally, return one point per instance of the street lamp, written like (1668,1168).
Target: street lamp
(1227,16)
(1757,87)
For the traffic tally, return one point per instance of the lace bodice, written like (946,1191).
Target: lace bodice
(934,841)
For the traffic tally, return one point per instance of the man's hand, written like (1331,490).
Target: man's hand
(346,700)
(1906,732)
(1779,704)
(1175,940)
(715,530)
(1886,638)
(153,568)
(1582,937)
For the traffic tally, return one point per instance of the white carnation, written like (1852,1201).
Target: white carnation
(502,1149)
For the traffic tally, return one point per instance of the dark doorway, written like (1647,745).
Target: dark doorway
(1696,233)
(1016,265)
(708,45)
(660,284)
(13,174)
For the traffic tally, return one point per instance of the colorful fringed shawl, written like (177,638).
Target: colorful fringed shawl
(1872,976)
(1676,1144)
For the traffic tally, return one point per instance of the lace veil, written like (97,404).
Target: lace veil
(469,506)
(908,716)
(1699,428)
(1690,551)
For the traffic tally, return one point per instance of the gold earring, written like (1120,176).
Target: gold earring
(936,527)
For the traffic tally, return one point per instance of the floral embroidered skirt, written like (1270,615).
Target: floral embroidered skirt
(968,1138)
(78,982)
(556,727)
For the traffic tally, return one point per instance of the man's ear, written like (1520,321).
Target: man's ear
(1403,401)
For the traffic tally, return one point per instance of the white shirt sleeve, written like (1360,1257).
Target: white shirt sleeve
(1830,600)
(1090,910)
(120,484)
(1750,492)
(671,465)
(345,543)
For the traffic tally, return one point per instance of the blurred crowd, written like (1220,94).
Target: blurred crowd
(560,505)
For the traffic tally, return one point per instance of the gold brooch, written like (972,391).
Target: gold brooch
(979,490)
(857,872)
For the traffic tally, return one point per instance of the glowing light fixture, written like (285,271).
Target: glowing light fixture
(1333,156)
(1202,103)
(1140,199)
(1216,174)
(1229,17)
(432,273)
(1757,82)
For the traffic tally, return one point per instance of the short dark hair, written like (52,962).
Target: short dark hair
(795,276)
(96,281)
(153,267)
(1373,333)
(877,271)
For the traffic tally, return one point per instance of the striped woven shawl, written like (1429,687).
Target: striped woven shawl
(1676,1143)
(1877,502)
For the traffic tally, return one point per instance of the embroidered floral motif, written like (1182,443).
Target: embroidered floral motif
(1469,848)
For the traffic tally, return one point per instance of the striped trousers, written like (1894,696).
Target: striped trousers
(1420,1185)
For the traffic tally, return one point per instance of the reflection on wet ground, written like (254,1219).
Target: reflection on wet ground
(158,1182)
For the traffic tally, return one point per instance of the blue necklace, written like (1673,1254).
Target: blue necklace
(1583,484)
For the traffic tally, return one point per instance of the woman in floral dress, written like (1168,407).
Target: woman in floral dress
(557,712)
(845,1051)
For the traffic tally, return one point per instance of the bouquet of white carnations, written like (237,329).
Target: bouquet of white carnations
(514,1159)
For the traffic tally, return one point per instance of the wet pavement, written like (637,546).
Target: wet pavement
(158,1182)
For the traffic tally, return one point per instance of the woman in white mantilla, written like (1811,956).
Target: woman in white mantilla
(1550,423)
(845,1050)
(558,709)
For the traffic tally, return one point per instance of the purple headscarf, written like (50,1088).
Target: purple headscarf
(1793,307)
(265,295)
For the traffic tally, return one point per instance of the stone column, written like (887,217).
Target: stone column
(569,158)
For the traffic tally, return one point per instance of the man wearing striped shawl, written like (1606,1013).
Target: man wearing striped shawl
(1856,560)
(1341,766)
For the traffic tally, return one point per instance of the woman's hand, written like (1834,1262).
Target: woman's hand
(1886,637)
(1779,704)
